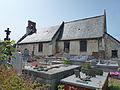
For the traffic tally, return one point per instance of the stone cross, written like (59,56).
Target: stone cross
(7,34)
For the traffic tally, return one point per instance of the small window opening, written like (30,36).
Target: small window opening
(114,53)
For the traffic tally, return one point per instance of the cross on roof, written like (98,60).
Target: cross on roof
(7,34)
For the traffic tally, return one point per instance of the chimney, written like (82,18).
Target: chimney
(31,28)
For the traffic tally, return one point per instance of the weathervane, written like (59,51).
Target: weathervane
(7,34)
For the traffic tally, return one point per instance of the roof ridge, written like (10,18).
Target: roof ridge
(72,21)
(84,18)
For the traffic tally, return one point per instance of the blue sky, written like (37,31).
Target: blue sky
(14,14)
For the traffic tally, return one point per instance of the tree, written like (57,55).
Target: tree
(6,47)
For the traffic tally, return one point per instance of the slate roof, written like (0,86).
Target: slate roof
(42,35)
(85,28)
(79,29)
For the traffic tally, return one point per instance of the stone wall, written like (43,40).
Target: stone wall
(28,46)
(92,46)
(52,77)
(111,44)
(47,49)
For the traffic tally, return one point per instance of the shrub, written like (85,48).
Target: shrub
(60,87)
(66,62)
(86,66)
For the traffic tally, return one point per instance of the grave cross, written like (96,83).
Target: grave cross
(7,34)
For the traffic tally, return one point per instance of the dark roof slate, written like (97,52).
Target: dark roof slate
(85,28)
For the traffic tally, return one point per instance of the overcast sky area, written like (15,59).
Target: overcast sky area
(14,14)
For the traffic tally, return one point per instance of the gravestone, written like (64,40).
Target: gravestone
(89,72)
(26,56)
(66,56)
(17,61)
(77,73)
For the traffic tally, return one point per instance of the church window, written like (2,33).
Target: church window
(83,46)
(66,46)
(40,47)
(114,53)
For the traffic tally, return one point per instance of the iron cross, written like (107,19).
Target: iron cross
(7,34)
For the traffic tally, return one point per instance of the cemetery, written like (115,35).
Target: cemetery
(65,70)
(72,76)
(53,72)
(50,74)
(81,81)
(108,65)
